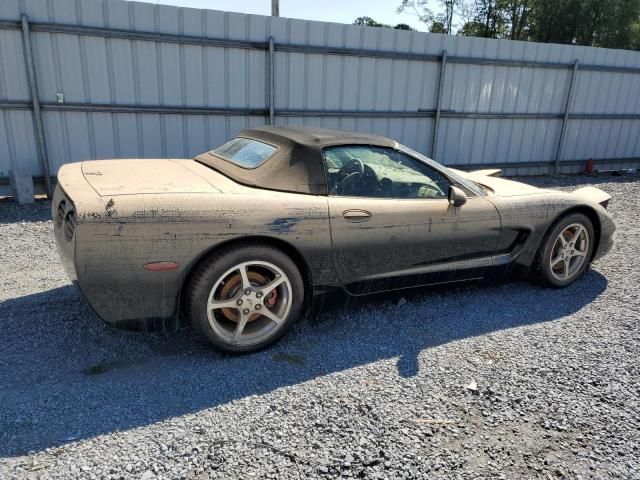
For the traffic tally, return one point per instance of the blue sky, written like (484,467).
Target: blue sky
(341,11)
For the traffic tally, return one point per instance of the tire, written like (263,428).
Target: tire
(244,318)
(570,257)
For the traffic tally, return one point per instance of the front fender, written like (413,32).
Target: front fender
(592,195)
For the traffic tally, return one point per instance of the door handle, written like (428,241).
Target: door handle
(356,215)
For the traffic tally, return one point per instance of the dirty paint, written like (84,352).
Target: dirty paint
(282,225)
(117,233)
(109,208)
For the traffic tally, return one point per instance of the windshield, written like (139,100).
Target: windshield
(475,188)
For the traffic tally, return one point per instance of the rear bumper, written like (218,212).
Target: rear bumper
(151,324)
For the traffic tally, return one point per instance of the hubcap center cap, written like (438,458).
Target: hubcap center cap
(251,300)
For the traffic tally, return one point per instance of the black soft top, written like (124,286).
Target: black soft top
(297,165)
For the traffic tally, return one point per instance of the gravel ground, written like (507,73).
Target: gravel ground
(381,388)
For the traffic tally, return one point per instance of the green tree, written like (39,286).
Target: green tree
(421,8)
(616,24)
(603,23)
(472,29)
(634,35)
(516,17)
(370,22)
(585,22)
(367,22)
(437,27)
(489,18)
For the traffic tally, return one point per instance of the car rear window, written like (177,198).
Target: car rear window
(245,152)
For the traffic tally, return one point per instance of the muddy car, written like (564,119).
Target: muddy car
(239,240)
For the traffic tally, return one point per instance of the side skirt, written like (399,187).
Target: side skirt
(494,268)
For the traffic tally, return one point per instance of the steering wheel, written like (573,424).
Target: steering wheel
(351,170)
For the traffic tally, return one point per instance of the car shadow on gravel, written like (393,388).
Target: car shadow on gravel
(66,376)
(12,212)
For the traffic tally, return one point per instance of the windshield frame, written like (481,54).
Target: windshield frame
(454,177)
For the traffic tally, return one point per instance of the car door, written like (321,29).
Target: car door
(392,225)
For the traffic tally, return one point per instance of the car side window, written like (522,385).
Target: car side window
(376,172)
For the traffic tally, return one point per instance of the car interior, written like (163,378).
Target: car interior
(365,171)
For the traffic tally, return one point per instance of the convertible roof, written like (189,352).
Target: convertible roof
(297,164)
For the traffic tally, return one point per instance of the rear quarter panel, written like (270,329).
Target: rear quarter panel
(117,240)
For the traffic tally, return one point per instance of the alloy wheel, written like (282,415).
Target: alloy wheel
(249,303)
(569,252)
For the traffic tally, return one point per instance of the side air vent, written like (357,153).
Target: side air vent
(70,225)
(60,213)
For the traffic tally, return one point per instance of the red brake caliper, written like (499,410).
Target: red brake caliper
(271,298)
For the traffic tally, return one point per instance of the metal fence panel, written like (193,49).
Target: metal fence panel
(606,92)
(603,139)
(498,89)
(17,142)
(13,73)
(472,141)
(145,80)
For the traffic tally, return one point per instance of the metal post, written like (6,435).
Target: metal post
(272,82)
(436,126)
(565,118)
(35,104)
(275,8)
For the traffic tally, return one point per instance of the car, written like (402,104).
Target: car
(239,240)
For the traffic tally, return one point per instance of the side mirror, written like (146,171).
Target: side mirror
(457,197)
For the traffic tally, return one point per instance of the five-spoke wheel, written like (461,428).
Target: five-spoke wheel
(249,302)
(245,297)
(569,251)
(566,250)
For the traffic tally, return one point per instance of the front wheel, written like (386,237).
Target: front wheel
(565,251)
(244,298)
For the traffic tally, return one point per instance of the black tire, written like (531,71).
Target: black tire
(214,267)
(543,273)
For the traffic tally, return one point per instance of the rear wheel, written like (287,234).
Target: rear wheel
(565,251)
(245,297)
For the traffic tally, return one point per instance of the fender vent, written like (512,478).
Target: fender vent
(60,213)
(70,225)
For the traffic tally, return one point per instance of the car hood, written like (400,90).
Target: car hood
(510,188)
(500,186)
(140,176)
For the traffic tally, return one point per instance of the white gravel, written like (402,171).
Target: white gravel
(506,380)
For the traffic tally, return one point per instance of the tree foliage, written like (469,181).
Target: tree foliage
(438,22)
(603,23)
(370,22)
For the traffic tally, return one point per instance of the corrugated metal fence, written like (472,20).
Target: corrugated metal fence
(111,78)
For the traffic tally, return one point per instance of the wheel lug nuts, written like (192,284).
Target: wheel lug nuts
(246,311)
(247,292)
(258,307)
(259,294)
(239,302)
